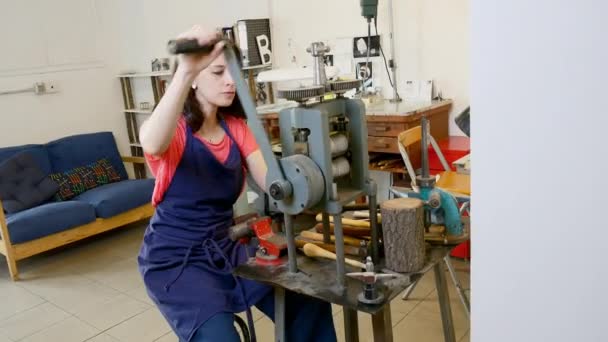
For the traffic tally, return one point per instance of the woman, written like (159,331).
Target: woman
(198,147)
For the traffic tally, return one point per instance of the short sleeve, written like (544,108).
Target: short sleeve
(242,135)
(163,167)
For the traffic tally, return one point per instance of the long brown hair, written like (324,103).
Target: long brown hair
(193,113)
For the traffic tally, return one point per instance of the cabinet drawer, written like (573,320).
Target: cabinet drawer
(382,144)
(385,129)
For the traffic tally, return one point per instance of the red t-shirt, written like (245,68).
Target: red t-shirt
(163,167)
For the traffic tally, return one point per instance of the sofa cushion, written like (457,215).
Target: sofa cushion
(22,183)
(76,181)
(47,219)
(38,152)
(112,199)
(78,150)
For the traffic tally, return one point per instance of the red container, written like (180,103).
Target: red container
(453,148)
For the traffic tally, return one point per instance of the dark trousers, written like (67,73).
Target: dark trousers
(306,320)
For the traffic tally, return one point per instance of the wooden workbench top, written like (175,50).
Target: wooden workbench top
(404,108)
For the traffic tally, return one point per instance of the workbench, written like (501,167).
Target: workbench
(317,278)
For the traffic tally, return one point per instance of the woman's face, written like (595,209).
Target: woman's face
(215,85)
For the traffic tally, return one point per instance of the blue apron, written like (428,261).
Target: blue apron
(186,259)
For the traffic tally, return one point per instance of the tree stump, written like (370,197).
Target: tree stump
(403,234)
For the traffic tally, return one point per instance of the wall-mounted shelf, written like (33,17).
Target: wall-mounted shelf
(146,74)
(138,111)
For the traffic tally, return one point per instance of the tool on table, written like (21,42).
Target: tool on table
(314,251)
(360,252)
(271,245)
(370,294)
(358,232)
(348,240)
(441,207)
(350,222)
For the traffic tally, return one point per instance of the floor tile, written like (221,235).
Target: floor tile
(68,330)
(72,293)
(123,276)
(140,294)
(112,312)
(102,338)
(16,299)
(147,326)
(365,325)
(170,337)
(31,321)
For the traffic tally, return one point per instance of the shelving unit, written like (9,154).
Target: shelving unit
(131,109)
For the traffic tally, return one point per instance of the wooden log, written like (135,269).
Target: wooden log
(403,232)
(357,232)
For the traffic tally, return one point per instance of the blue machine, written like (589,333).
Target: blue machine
(440,206)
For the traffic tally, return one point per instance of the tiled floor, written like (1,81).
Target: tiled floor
(92,291)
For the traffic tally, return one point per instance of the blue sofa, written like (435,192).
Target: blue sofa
(56,223)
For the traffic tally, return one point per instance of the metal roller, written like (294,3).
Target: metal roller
(338,144)
(340,167)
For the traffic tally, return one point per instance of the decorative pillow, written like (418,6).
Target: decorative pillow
(23,185)
(76,181)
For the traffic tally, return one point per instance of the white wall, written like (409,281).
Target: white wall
(81,45)
(539,265)
(60,42)
(444,50)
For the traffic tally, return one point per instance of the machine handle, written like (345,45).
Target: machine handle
(239,231)
(275,173)
(180,46)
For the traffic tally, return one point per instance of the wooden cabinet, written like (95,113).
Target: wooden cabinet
(386,120)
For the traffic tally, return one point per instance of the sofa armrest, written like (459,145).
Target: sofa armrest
(134,160)
(3,226)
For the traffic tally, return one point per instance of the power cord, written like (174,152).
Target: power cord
(390,80)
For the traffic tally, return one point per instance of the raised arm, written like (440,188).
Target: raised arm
(156,133)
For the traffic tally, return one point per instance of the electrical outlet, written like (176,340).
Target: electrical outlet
(51,88)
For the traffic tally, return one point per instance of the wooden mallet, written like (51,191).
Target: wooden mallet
(315,251)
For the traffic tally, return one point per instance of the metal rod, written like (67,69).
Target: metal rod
(274,170)
(339,249)
(382,325)
(409,290)
(463,297)
(291,244)
(326,235)
(373,218)
(351,325)
(279,314)
(444,303)
(424,147)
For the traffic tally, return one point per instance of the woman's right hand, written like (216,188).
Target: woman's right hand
(192,64)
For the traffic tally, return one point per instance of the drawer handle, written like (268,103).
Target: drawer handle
(385,145)
(381,129)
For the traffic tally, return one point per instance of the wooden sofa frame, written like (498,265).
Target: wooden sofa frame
(20,251)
